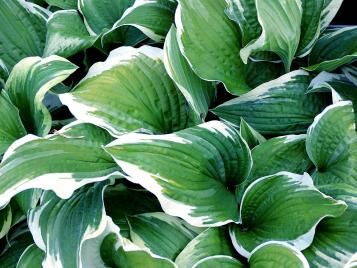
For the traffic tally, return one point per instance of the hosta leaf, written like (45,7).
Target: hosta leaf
(218,261)
(11,127)
(101,15)
(280,22)
(5,220)
(335,240)
(198,93)
(277,254)
(163,235)
(27,85)
(211,242)
(64,4)
(210,59)
(31,257)
(66,34)
(259,72)
(129,91)
(23,31)
(153,17)
(60,227)
(284,207)
(330,10)
(334,49)
(335,160)
(352,263)
(188,171)
(277,107)
(350,72)
(250,135)
(62,162)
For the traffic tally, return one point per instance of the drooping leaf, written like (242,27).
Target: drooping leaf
(62,162)
(66,34)
(250,135)
(277,254)
(64,4)
(163,235)
(188,171)
(212,53)
(277,107)
(23,31)
(280,22)
(27,85)
(334,49)
(129,91)
(198,93)
(282,207)
(213,241)
(31,257)
(218,261)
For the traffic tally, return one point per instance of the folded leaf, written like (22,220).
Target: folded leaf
(212,53)
(129,91)
(250,135)
(27,85)
(188,171)
(17,41)
(334,49)
(66,34)
(198,93)
(280,22)
(211,242)
(277,107)
(283,207)
(62,162)
(277,254)
(163,235)
(31,257)
(218,261)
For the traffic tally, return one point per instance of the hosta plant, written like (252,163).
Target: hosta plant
(177,134)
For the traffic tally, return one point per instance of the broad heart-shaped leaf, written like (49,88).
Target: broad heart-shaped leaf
(198,93)
(283,207)
(189,171)
(27,85)
(335,240)
(64,4)
(330,10)
(280,22)
(60,227)
(211,242)
(285,153)
(334,49)
(101,15)
(129,91)
(23,31)
(335,160)
(277,254)
(66,34)
(250,135)
(153,17)
(278,107)
(211,60)
(62,162)
(31,257)
(163,235)
(11,127)
(122,202)
(5,220)
(218,261)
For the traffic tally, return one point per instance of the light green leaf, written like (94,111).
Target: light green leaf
(335,240)
(129,91)
(198,93)
(282,207)
(153,17)
(213,241)
(23,31)
(335,160)
(331,7)
(62,162)
(66,34)
(64,4)
(280,22)
(5,220)
(31,257)
(277,107)
(27,85)
(11,127)
(277,254)
(212,53)
(188,171)
(163,235)
(218,261)
(334,49)
(250,135)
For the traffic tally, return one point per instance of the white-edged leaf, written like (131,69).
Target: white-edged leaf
(221,261)
(31,257)
(250,135)
(330,10)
